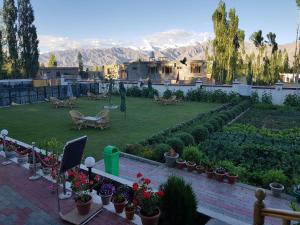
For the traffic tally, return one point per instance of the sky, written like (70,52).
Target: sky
(66,24)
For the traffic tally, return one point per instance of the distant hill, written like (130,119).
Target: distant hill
(115,55)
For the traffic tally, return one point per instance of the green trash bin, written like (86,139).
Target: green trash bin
(111,156)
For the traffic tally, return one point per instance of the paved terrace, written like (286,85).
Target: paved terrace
(24,202)
(232,204)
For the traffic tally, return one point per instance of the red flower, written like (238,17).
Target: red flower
(135,187)
(77,184)
(97,178)
(139,175)
(147,181)
(71,173)
(91,182)
(147,195)
(160,194)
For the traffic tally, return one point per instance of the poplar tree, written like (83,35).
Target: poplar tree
(80,62)
(52,61)
(1,56)
(286,65)
(28,42)
(9,19)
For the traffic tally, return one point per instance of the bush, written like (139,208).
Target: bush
(254,97)
(274,176)
(215,123)
(209,127)
(192,154)
(147,153)
(179,94)
(266,98)
(167,93)
(292,100)
(200,133)
(134,91)
(134,149)
(186,138)
(160,150)
(179,204)
(176,144)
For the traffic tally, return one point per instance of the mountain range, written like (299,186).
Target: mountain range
(118,55)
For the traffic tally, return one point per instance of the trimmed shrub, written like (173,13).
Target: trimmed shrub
(179,94)
(186,138)
(192,154)
(160,150)
(147,153)
(209,127)
(176,144)
(179,204)
(200,133)
(134,149)
(167,93)
(254,97)
(274,176)
(215,123)
(134,91)
(292,100)
(266,98)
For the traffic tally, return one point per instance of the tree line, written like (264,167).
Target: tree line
(229,59)
(19,53)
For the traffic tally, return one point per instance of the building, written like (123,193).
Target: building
(164,69)
(289,77)
(57,72)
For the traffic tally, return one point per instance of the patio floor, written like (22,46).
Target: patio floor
(232,204)
(24,202)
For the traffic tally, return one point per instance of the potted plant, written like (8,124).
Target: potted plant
(106,192)
(9,150)
(220,173)
(129,211)
(209,170)
(191,165)
(81,188)
(171,156)
(22,155)
(119,199)
(192,155)
(180,163)
(147,200)
(200,168)
(232,176)
(276,180)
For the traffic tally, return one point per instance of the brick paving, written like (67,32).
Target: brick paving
(230,203)
(24,202)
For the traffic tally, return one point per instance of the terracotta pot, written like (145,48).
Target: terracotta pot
(200,169)
(190,166)
(180,164)
(129,214)
(119,206)
(106,199)
(83,208)
(150,220)
(220,176)
(209,174)
(231,178)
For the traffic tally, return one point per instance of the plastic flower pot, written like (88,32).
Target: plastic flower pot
(106,199)
(231,178)
(190,166)
(180,164)
(119,206)
(170,160)
(200,169)
(210,174)
(297,193)
(276,189)
(150,220)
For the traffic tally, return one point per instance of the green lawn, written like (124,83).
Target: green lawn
(37,122)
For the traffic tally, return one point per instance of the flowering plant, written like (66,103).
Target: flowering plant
(145,197)
(106,189)
(81,186)
(121,194)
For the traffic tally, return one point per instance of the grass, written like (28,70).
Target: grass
(37,122)
(277,118)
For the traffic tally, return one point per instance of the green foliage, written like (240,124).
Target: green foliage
(160,150)
(176,144)
(254,97)
(200,133)
(215,96)
(179,94)
(292,100)
(144,92)
(133,149)
(179,204)
(28,41)
(80,62)
(266,98)
(52,61)
(147,153)
(134,91)
(187,138)
(192,154)
(167,93)
(274,176)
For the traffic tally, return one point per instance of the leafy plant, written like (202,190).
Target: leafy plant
(200,133)
(160,150)
(292,100)
(192,154)
(176,144)
(266,98)
(274,176)
(186,138)
(167,93)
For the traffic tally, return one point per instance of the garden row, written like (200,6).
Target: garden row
(261,156)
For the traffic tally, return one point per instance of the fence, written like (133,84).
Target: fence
(26,93)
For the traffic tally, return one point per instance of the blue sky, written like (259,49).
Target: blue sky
(66,24)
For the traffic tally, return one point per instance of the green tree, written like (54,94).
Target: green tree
(9,19)
(80,62)
(286,65)
(28,41)
(1,56)
(52,61)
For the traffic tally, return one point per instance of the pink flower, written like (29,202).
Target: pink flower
(135,187)
(139,175)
